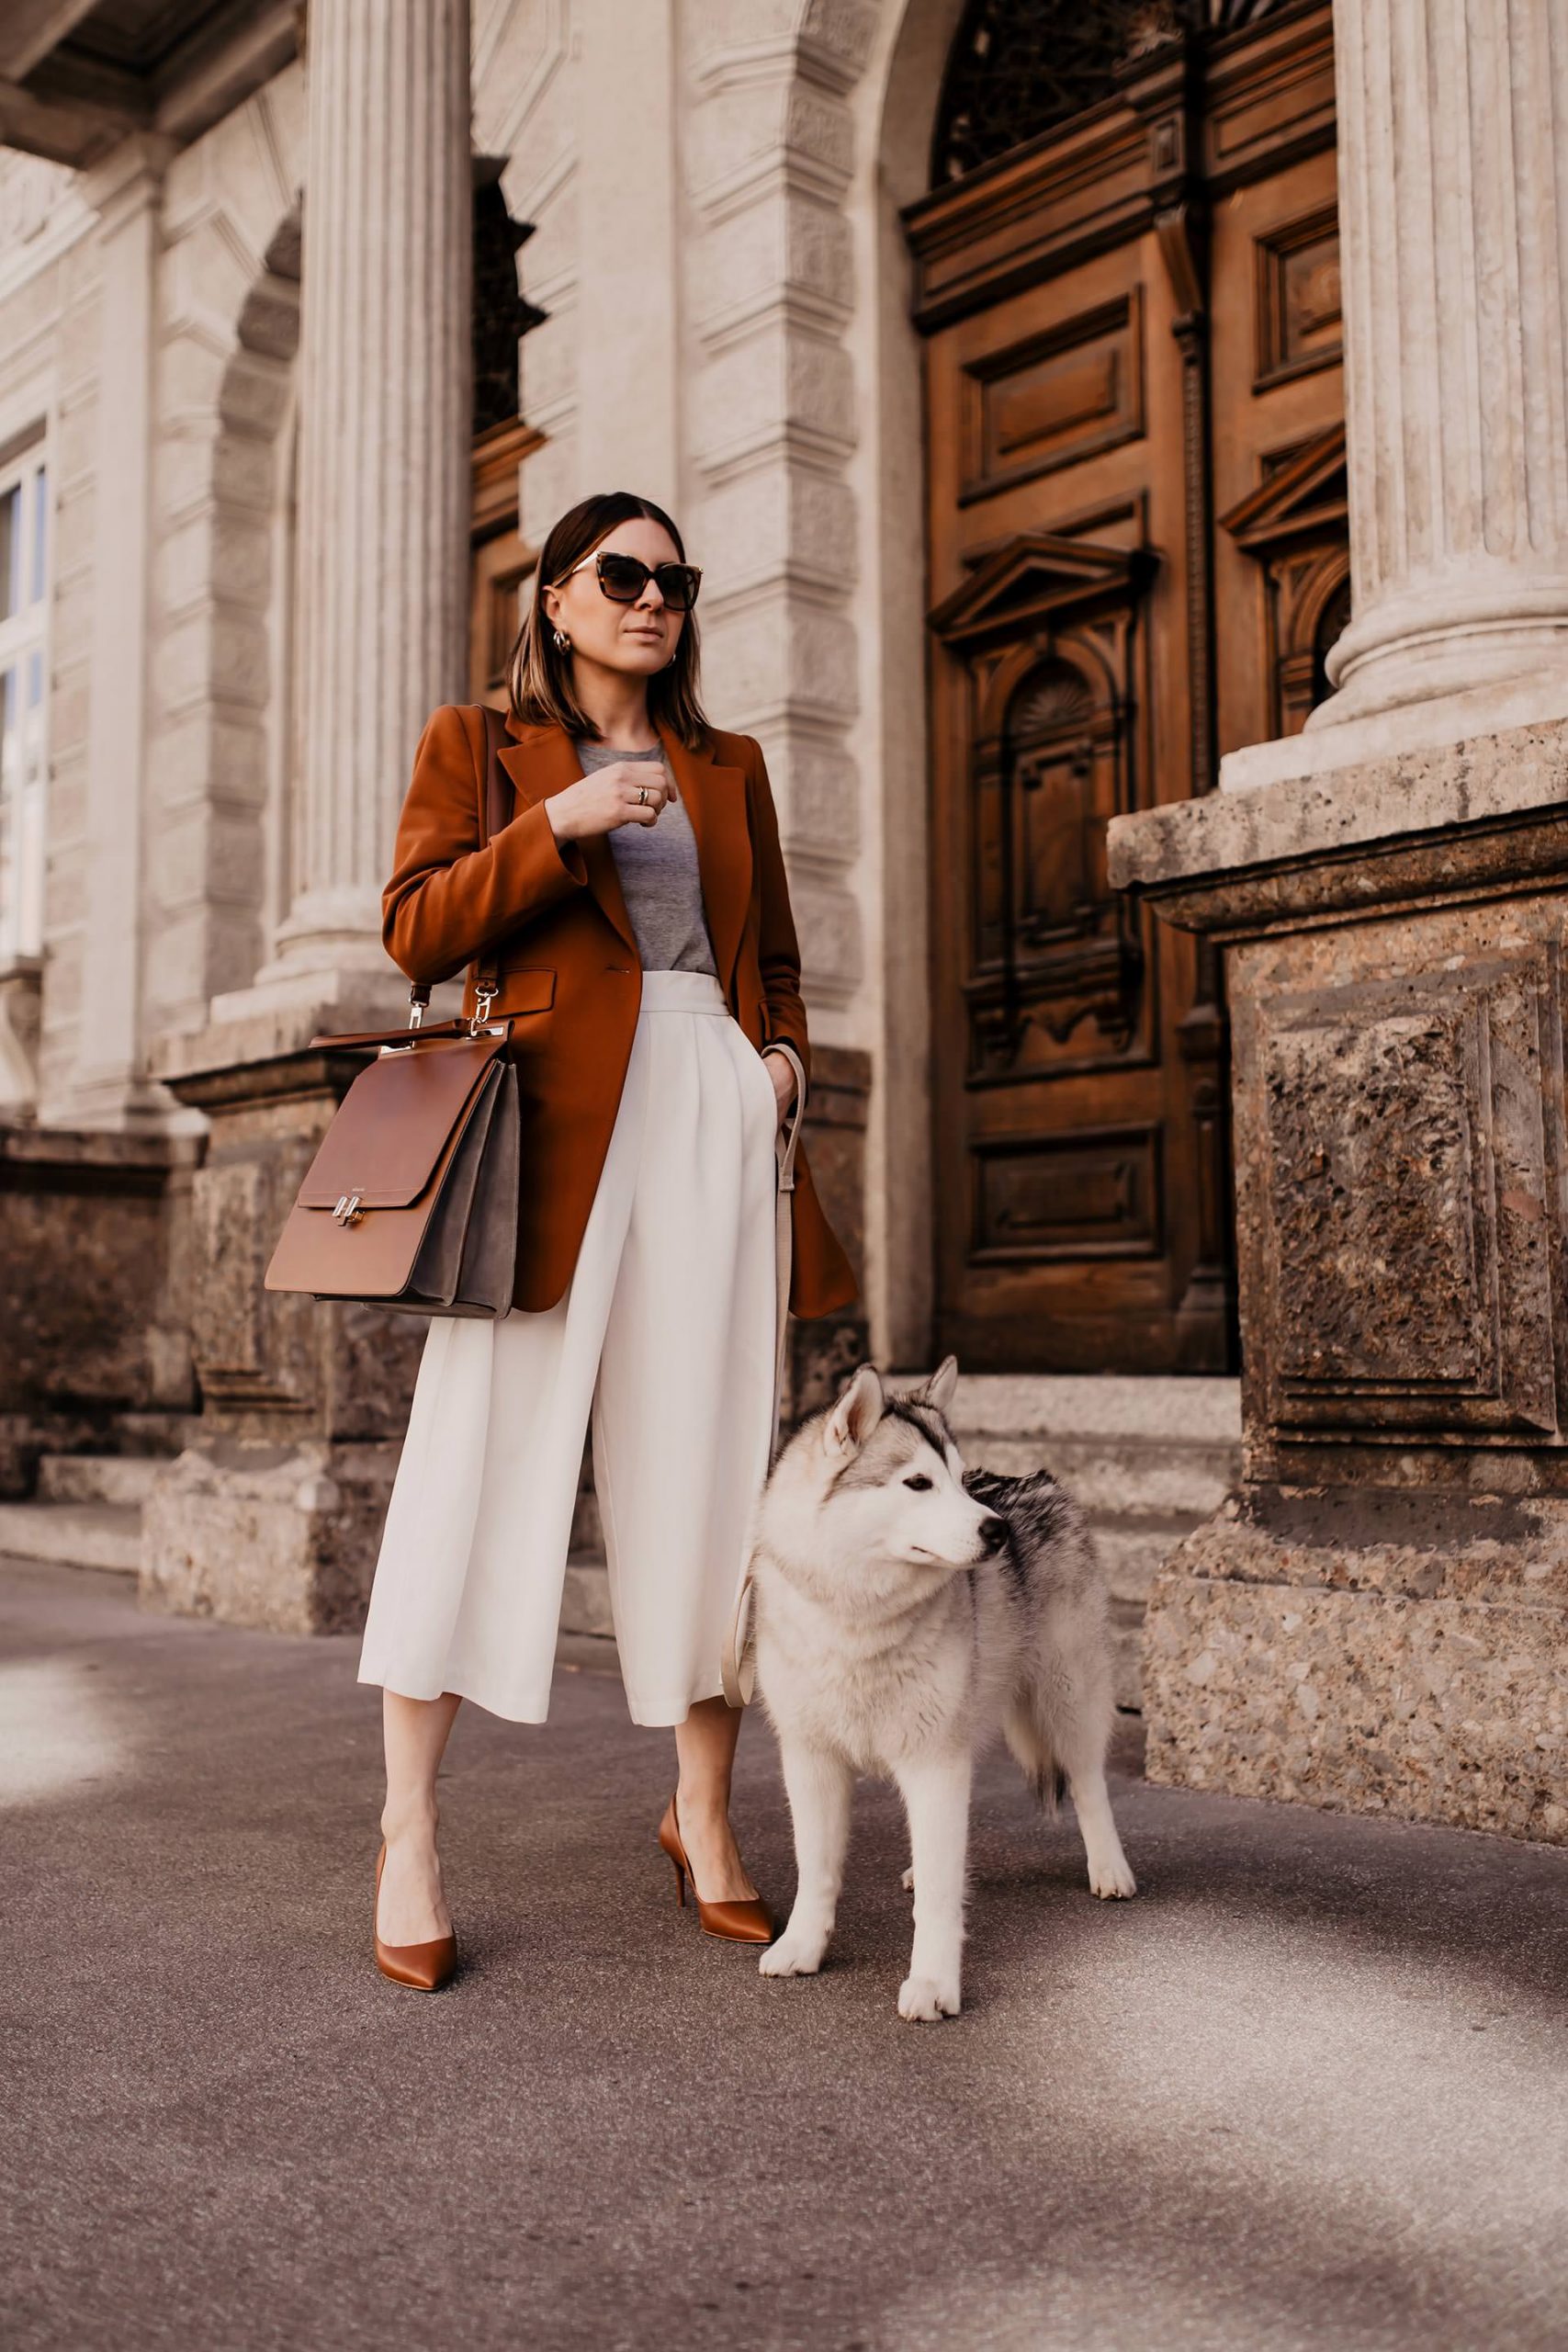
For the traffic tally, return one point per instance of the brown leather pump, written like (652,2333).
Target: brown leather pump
(426,1967)
(748,1922)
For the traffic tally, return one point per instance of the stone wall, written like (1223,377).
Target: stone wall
(96,1285)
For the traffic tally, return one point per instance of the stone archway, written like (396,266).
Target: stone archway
(217,752)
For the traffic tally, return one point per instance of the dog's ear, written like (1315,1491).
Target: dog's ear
(856,1413)
(938,1390)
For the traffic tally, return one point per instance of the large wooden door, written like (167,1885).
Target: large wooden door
(1135,496)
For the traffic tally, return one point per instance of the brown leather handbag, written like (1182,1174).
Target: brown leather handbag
(412,1199)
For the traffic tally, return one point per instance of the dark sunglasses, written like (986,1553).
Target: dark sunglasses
(622,578)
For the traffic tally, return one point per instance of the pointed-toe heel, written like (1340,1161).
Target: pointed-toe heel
(748,1922)
(424,1967)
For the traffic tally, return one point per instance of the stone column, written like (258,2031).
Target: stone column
(1453,144)
(1377,1617)
(384,455)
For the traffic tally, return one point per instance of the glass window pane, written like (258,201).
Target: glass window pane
(10,551)
(29,828)
(10,782)
(40,533)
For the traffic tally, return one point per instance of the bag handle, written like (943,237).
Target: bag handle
(492,817)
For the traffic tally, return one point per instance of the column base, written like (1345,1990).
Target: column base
(276,1536)
(1369,1652)
(1413,727)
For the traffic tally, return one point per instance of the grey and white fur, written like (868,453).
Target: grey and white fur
(904,1610)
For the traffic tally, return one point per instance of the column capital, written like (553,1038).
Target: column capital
(131,175)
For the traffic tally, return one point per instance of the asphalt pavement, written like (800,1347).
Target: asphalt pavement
(1309,2090)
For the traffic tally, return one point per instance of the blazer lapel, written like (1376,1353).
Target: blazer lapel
(543,762)
(716,804)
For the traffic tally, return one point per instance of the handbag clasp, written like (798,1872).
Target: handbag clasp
(348,1211)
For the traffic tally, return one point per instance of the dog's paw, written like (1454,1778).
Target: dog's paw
(907,1880)
(1112,1881)
(792,1955)
(922,1999)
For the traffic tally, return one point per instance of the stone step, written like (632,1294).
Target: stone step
(73,1535)
(1126,1446)
(585,1597)
(97,1477)
(1131,1550)
(1201,1408)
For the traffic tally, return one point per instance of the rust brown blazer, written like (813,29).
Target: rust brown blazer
(571,976)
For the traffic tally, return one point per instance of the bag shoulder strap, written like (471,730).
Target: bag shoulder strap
(737,1668)
(494,790)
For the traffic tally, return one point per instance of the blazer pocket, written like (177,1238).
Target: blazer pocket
(526,988)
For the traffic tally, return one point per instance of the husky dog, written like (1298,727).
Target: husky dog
(904,1610)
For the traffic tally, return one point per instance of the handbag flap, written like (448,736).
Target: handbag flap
(394,1123)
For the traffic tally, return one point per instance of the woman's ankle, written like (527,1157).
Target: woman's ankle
(416,1821)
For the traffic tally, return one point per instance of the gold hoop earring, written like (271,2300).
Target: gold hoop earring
(563,642)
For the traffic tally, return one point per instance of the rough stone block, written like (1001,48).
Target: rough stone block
(277,1537)
(1411,1659)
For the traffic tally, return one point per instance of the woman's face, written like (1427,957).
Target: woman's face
(636,638)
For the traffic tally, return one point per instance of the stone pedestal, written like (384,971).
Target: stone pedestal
(1378,1617)
(271,1515)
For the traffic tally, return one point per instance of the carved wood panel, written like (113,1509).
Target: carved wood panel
(1047,634)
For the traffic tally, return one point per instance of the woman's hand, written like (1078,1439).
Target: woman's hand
(781,1071)
(607,799)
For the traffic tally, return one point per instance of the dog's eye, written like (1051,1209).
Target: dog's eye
(919,1481)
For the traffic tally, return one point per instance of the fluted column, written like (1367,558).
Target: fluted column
(385,440)
(1453,188)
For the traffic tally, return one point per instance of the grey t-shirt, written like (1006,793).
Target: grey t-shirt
(660,880)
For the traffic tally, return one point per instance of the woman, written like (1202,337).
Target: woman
(637,907)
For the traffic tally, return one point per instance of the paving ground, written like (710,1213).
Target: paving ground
(1309,2090)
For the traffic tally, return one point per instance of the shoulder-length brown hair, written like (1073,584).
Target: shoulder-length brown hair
(539,678)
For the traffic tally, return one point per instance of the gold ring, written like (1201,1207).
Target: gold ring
(642,792)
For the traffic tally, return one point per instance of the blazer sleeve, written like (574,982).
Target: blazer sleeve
(449,898)
(778,951)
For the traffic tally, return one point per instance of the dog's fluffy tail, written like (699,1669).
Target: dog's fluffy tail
(1033,1750)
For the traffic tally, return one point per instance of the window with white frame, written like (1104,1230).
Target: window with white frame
(24,688)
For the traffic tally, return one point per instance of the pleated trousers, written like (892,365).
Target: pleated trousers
(665,1340)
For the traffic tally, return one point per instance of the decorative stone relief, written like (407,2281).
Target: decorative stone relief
(1414,1146)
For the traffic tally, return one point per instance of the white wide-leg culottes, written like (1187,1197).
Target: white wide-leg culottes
(667,1336)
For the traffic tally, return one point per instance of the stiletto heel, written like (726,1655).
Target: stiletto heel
(747,1922)
(424,1967)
